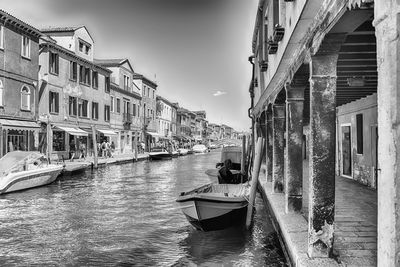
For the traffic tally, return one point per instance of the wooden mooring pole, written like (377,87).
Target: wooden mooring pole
(243,159)
(94,146)
(254,179)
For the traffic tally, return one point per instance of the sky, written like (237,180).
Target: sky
(196,50)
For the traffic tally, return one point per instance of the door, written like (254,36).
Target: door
(346,151)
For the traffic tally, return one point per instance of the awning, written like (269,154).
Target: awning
(19,125)
(154,134)
(73,130)
(107,132)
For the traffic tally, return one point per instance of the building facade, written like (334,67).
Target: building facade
(148,89)
(74,92)
(125,104)
(165,117)
(19,65)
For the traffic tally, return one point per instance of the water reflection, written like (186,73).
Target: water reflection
(125,215)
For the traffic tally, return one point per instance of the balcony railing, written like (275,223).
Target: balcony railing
(127,117)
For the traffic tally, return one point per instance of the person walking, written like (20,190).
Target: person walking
(72,149)
(82,149)
(104,149)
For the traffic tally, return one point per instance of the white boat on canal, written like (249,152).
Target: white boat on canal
(215,206)
(21,170)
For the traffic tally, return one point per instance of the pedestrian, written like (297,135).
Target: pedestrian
(104,149)
(112,146)
(108,149)
(72,149)
(82,149)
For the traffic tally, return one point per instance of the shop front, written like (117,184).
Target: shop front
(69,141)
(18,135)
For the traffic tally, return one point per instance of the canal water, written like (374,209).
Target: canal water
(126,215)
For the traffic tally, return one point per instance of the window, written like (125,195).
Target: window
(118,105)
(360,139)
(81,74)
(73,71)
(1,36)
(95,79)
(84,47)
(112,104)
(107,84)
(53,102)
(53,63)
(126,83)
(1,93)
(83,108)
(72,106)
(138,110)
(26,47)
(95,110)
(25,98)
(148,91)
(153,94)
(134,110)
(87,76)
(106,113)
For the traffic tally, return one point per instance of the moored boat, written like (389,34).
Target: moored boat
(215,206)
(232,153)
(159,153)
(21,170)
(183,151)
(199,148)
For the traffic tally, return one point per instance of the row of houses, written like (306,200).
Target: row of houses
(54,91)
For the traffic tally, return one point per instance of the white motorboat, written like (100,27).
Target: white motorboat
(215,206)
(21,170)
(199,148)
(183,151)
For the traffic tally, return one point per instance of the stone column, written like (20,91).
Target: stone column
(269,145)
(294,148)
(387,26)
(278,158)
(322,154)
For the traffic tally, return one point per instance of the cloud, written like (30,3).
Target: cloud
(218,93)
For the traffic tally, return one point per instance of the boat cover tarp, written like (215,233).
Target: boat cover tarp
(12,159)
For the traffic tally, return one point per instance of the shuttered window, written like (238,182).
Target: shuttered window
(25,98)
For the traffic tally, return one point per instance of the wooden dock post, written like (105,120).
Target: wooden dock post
(243,159)
(94,147)
(49,141)
(136,145)
(254,179)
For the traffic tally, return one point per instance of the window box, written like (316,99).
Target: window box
(272,46)
(279,32)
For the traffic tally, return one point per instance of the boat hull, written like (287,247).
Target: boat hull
(159,156)
(29,179)
(210,211)
(231,218)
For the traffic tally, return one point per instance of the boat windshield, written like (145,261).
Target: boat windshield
(15,158)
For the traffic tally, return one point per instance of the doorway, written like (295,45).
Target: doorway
(347,168)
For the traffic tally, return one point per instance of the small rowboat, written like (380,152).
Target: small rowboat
(215,206)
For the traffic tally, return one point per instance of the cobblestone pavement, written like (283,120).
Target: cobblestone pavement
(355,221)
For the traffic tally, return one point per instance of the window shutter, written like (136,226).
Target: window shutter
(50,100)
(57,103)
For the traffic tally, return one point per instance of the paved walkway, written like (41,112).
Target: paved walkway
(120,158)
(355,222)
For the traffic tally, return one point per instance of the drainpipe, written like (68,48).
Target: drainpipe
(251,91)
